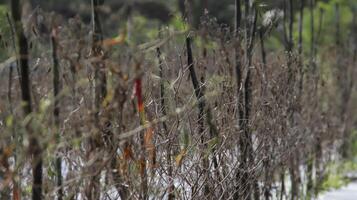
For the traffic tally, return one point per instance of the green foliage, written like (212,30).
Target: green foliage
(273,43)
(334,181)
(207,43)
(336,175)
(143,30)
(328,26)
(349,166)
(178,24)
(211,145)
(353,144)
(9,121)
(185,139)
(5,42)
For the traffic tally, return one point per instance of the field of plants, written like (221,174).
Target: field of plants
(177,99)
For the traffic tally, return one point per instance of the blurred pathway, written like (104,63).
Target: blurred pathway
(348,192)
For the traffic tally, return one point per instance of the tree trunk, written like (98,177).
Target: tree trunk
(34,146)
(171,186)
(56,111)
(93,191)
(201,112)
